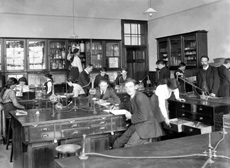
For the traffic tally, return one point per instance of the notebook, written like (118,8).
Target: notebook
(117,112)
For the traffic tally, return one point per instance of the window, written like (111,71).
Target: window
(134,33)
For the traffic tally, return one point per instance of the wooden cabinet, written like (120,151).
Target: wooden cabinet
(187,48)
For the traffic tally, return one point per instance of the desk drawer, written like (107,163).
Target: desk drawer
(70,133)
(184,114)
(183,106)
(36,129)
(194,128)
(204,109)
(75,124)
(206,119)
(176,124)
(44,136)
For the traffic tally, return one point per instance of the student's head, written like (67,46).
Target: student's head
(103,84)
(22,81)
(124,72)
(204,61)
(103,71)
(160,64)
(11,83)
(227,62)
(76,51)
(172,84)
(182,66)
(89,68)
(49,76)
(130,86)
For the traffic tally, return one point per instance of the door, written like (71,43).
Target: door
(136,62)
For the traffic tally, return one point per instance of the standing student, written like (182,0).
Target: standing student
(84,78)
(163,73)
(76,65)
(224,73)
(48,83)
(179,73)
(144,126)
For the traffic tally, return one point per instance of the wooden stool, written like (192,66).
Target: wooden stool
(67,150)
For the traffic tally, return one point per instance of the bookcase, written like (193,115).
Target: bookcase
(187,48)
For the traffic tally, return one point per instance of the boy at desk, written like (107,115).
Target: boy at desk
(105,94)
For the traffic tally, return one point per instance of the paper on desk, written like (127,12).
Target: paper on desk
(21,112)
(117,112)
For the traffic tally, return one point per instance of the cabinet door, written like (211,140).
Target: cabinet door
(57,55)
(94,53)
(36,54)
(190,53)
(112,55)
(0,54)
(163,50)
(15,55)
(175,48)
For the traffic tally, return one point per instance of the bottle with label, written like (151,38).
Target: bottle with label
(82,47)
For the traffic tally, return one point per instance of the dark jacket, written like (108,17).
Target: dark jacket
(110,96)
(84,81)
(224,73)
(164,74)
(120,80)
(212,79)
(98,78)
(143,118)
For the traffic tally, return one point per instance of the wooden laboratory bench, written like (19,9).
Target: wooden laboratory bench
(181,146)
(36,134)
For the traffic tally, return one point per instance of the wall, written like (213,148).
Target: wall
(213,17)
(100,19)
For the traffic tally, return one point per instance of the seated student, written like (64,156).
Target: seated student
(77,89)
(105,94)
(23,84)
(144,126)
(101,76)
(122,77)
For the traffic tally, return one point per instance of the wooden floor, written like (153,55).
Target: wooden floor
(5,156)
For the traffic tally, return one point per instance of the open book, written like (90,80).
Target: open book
(117,112)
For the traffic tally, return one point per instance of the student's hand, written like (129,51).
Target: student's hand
(181,100)
(23,107)
(167,122)
(128,115)
(212,95)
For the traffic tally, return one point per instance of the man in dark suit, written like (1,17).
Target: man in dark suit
(224,73)
(105,94)
(163,73)
(208,78)
(84,78)
(101,76)
(144,125)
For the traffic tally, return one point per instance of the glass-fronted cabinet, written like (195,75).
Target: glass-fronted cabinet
(15,54)
(112,55)
(57,54)
(175,57)
(94,53)
(187,48)
(36,54)
(190,54)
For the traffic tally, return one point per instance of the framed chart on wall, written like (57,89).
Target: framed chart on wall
(113,62)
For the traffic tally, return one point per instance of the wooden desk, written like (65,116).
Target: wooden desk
(180,146)
(34,135)
(209,112)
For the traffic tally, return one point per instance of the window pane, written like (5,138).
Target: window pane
(37,54)
(127,28)
(134,40)
(133,28)
(138,29)
(127,40)
(15,55)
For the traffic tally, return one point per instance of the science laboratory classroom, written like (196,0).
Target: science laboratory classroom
(114,83)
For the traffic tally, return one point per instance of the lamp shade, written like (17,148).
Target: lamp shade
(150,11)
